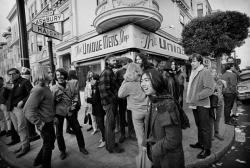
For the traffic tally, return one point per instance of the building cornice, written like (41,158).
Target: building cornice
(12,13)
(168,36)
(76,39)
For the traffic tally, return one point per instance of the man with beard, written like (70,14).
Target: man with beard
(108,91)
(66,97)
(19,92)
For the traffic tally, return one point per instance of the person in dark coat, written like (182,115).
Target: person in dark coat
(163,134)
(19,92)
(97,109)
(108,91)
(169,75)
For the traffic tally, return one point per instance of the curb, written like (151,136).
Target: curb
(215,156)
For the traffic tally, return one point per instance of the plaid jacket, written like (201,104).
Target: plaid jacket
(108,86)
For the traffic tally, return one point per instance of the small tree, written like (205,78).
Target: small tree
(215,34)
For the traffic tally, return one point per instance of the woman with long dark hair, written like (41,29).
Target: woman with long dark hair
(163,134)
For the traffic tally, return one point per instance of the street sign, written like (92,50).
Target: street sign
(49,19)
(47,32)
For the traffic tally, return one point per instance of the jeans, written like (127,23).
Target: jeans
(6,116)
(74,124)
(122,104)
(48,136)
(229,99)
(20,124)
(216,124)
(111,111)
(203,122)
(100,124)
(181,95)
(139,126)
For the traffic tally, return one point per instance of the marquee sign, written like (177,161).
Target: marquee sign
(129,36)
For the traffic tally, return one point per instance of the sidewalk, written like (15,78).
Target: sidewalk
(100,158)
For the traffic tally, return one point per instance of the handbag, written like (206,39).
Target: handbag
(142,160)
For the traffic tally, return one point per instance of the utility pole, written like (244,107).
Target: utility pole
(23,34)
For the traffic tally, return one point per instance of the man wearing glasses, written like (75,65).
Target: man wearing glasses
(19,92)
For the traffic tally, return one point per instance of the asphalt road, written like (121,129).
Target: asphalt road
(239,154)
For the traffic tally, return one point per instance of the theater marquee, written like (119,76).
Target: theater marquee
(126,37)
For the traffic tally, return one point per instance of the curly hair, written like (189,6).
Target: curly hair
(63,72)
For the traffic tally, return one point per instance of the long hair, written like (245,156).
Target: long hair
(133,72)
(89,75)
(41,75)
(157,81)
(145,63)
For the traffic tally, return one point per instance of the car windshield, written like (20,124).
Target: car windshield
(244,77)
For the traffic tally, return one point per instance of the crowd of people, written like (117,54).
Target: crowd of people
(146,97)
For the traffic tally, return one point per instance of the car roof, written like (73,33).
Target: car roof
(245,72)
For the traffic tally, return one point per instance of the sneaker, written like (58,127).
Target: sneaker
(84,151)
(102,144)
(204,153)
(197,145)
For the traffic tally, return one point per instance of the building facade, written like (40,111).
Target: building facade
(90,31)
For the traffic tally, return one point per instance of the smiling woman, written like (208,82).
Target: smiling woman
(163,126)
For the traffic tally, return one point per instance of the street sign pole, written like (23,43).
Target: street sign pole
(51,59)
(23,34)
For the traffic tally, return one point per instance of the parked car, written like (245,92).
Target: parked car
(243,86)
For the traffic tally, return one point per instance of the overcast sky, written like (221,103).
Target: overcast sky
(242,52)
